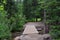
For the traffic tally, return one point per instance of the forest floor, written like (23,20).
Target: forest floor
(15,34)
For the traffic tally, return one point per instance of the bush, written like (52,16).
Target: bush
(4,32)
(55,31)
(18,23)
(4,29)
(19,18)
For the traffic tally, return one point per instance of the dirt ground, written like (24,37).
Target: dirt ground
(15,34)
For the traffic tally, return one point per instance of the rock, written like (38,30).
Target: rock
(34,37)
(17,38)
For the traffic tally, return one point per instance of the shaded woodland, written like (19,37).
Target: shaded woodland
(15,13)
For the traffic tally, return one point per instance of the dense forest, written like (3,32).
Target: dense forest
(15,13)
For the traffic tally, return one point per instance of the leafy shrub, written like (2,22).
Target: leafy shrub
(4,29)
(18,22)
(55,31)
(19,18)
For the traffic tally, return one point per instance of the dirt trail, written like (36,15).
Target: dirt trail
(15,34)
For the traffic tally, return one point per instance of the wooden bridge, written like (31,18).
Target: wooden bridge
(40,26)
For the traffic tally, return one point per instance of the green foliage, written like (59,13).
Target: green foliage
(4,29)
(53,18)
(30,10)
(55,31)
(15,15)
(18,22)
(1,7)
